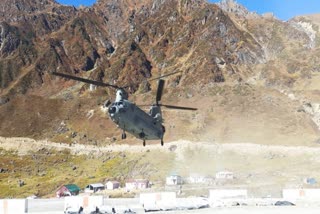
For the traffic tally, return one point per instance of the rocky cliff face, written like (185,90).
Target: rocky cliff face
(125,41)
(25,28)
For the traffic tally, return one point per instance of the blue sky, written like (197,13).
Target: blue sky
(77,2)
(283,9)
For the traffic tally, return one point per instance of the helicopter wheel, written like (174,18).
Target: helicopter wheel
(123,136)
(161,142)
(144,143)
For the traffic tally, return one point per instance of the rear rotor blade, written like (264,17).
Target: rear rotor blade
(179,107)
(159,90)
(156,78)
(165,75)
(85,80)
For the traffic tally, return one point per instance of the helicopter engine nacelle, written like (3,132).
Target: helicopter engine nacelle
(113,109)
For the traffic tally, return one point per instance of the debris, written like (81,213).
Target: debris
(90,114)
(62,128)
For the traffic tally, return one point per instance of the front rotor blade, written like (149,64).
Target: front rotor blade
(179,107)
(84,80)
(159,90)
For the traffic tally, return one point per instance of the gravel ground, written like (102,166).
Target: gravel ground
(249,210)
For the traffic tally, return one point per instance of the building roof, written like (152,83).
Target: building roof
(137,181)
(114,182)
(174,176)
(96,185)
(72,187)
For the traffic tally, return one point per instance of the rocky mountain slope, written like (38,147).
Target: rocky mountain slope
(254,78)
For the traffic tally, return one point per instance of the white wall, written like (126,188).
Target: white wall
(158,200)
(216,194)
(87,202)
(13,206)
(294,194)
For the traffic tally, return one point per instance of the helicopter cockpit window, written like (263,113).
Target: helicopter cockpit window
(121,104)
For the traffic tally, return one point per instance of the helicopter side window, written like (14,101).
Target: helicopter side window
(122,107)
(151,112)
(121,104)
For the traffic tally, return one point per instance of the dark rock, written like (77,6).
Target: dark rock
(74,134)
(284,203)
(4,100)
(9,38)
(2,170)
(21,183)
(109,48)
(173,148)
(235,203)
(62,128)
(88,65)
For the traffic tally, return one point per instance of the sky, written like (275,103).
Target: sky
(282,9)
(77,2)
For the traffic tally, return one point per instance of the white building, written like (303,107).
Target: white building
(137,184)
(227,175)
(112,185)
(199,179)
(174,180)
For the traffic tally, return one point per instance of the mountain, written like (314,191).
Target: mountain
(254,78)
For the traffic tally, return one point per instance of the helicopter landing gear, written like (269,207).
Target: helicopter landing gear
(144,143)
(161,142)
(142,134)
(124,135)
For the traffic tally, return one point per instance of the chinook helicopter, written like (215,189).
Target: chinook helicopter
(128,116)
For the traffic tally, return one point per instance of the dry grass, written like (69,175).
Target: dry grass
(44,171)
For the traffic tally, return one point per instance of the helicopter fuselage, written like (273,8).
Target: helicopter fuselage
(128,116)
(132,119)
